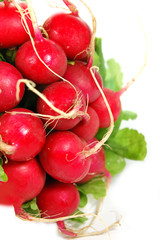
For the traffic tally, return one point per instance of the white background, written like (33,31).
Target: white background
(134,194)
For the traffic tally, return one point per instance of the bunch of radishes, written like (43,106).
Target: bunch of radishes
(50,130)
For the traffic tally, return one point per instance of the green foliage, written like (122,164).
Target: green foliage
(2,57)
(32,208)
(96,187)
(99,58)
(114,163)
(128,143)
(3,176)
(10,55)
(125,115)
(79,219)
(83,200)
(114,76)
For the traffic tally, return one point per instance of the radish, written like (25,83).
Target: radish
(58,200)
(113,99)
(63,96)
(25,181)
(21,135)
(62,157)
(40,60)
(79,75)
(12,32)
(97,167)
(9,77)
(71,32)
(32,68)
(87,128)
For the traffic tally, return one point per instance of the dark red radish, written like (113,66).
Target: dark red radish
(63,96)
(12,31)
(62,157)
(79,75)
(32,68)
(9,77)
(100,107)
(97,167)
(71,32)
(25,182)
(22,135)
(87,128)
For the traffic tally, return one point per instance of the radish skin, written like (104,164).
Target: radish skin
(24,133)
(61,157)
(9,77)
(12,31)
(25,182)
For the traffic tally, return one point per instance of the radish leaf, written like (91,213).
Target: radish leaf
(79,219)
(114,76)
(114,163)
(96,187)
(128,143)
(31,208)
(3,175)
(99,58)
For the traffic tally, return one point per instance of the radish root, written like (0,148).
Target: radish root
(73,113)
(6,148)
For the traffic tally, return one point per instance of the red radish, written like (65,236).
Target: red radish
(32,68)
(42,60)
(58,200)
(63,96)
(79,75)
(12,32)
(25,181)
(97,167)
(100,107)
(71,32)
(9,77)
(62,157)
(87,128)
(22,135)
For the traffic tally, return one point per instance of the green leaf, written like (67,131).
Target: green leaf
(96,187)
(114,76)
(96,61)
(3,175)
(127,115)
(31,208)
(2,57)
(83,200)
(79,219)
(128,143)
(71,62)
(101,62)
(103,131)
(1,161)
(114,163)
(124,115)
(10,55)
